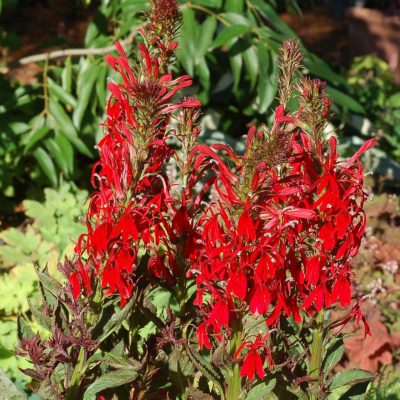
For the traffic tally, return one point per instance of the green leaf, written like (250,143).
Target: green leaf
(68,152)
(235,6)
(229,33)
(66,76)
(334,355)
(46,164)
(86,81)
(116,320)
(345,100)
(237,19)
(58,92)
(236,65)
(189,32)
(251,62)
(207,30)
(109,380)
(35,136)
(48,282)
(393,101)
(65,126)
(350,377)
(58,155)
(208,3)
(262,389)
(269,13)
(320,68)
(204,74)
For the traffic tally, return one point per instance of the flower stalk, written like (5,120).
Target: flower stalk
(316,355)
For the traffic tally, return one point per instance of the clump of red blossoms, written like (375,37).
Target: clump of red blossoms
(274,243)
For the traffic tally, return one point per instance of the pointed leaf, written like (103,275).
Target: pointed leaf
(351,377)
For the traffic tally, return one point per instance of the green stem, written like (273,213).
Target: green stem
(316,355)
(234,379)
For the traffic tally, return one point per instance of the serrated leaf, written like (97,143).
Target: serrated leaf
(261,390)
(116,320)
(48,282)
(229,33)
(351,377)
(46,164)
(109,380)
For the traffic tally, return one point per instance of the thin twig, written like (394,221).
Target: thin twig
(68,52)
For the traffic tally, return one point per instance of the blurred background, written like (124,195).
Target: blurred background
(53,81)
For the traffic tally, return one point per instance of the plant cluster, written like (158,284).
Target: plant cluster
(44,240)
(213,283)
(372,82)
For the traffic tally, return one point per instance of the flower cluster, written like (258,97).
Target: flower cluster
(289,218)
(127,210)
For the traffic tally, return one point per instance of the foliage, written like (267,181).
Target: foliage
(48,129)
(44,241)
(372,83)
(213,280)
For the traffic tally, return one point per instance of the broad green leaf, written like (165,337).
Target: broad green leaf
(229,33)
(46,164)
(86,81)
(60,94)
(34,137)
(345,100)
(262,390)
(350,377)
(109,380)
(333,356)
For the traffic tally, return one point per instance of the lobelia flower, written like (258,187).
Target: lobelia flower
(289,217)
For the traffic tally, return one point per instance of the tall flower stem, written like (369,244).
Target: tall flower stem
(234,379)
(316,355)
